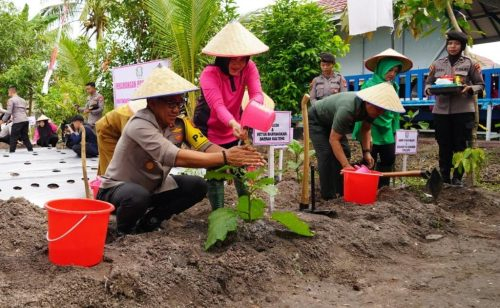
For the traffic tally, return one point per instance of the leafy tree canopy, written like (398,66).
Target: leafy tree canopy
(296,32)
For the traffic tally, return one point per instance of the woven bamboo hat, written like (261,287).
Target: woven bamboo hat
(371,63)
(268,102)
(382,95)
(161,82)
(234,40)
(42,118)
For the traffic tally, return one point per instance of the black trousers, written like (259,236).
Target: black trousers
(330,179)
(385,157)
(90,150)
(132,201)
(5,139)
(52,141)
(453,134)
(20,131)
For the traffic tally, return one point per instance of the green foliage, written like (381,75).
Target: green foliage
(409,118)
(292,222)
(297,150)
(470,161)
(23,51)
(220,223)
(180,29)
(297,32)
(249,208)
(59,103)
(420,16)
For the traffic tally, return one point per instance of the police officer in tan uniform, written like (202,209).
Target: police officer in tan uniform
(329,82)
(454,114)
(137,180)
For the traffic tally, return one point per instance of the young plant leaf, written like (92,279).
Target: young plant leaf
(264,182)
(292,222)
(256,208)
(220,174)
(271,190)
(220,223)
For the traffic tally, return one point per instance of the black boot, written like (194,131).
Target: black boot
(446,175)
(457,178)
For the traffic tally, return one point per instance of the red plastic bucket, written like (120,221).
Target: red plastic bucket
(359,187)
(77,230)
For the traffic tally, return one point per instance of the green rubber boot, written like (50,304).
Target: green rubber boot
(384,181)
(215,194)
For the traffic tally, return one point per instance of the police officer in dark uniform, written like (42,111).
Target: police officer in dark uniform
(329,82)
(454,114)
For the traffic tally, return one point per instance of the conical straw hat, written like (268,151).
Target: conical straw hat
(234,40)
(382,95)
(371,63)
(161,82)
(42,118)
(268,102)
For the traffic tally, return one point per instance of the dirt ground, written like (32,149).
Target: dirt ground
(369,256)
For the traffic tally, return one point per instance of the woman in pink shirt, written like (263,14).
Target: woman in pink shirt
(223,84)
(45,132)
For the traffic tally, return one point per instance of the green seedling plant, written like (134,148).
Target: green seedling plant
(471,161)
(250,208)
(297,150)
(409,119)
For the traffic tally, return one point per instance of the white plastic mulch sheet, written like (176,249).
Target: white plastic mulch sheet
(44,174)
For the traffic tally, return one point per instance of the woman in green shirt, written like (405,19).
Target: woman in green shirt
(386,66)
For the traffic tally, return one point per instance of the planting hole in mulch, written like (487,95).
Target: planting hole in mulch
(70,181)
(14,174)
(53,186)
(35,185)
(27,163)
(56,170)
(17,187)
(62,162)
(5,155)
(35,154)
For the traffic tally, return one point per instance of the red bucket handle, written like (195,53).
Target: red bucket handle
(67,232)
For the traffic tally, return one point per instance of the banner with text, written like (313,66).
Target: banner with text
(279,134)
(406,141)
(126,79)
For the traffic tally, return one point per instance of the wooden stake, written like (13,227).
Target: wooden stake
(84,165)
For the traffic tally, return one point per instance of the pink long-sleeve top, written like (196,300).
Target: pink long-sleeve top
(36,135)
(225,102)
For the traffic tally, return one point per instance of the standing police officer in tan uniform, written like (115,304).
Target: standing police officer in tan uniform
(454,114)
(329,82)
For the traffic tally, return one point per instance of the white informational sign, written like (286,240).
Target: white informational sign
(279,134)
(126,79)
(406,141)
(32,121)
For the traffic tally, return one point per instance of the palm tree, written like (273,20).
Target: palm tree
(181,29)
(74,61)
(92,14)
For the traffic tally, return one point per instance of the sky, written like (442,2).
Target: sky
(245,6)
